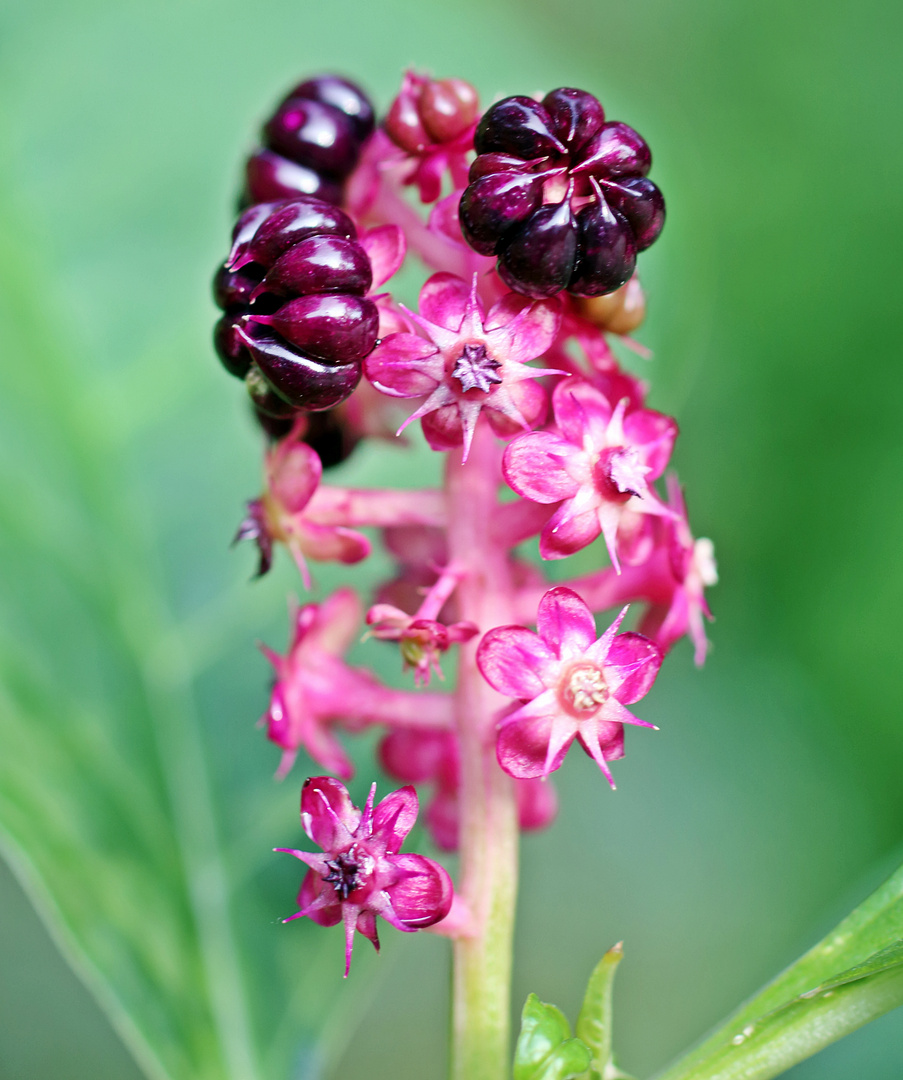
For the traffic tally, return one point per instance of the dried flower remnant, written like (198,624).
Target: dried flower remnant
(361,873)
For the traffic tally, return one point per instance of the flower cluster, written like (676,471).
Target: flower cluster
(536,214)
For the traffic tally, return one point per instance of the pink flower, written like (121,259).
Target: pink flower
(684,568)
(361,873)
(598,465)
(314,687)
(468,361)
(572,685)
(293,472)
(422,757)
(421,640)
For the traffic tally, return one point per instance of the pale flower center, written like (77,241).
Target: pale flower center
(475,369)
(584,688)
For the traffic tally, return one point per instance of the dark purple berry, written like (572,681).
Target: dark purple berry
(332,438)
(537,259)
(607,251)
(615,150)
(313,134)
(638,200)
(275,427)
(265,399)
(342,95)
(495,203)
(270,176)
(576,115)
(319,264)
(233,288)
(293,221)
(518,126)
(300,380)
(335,329)
(486,164)
(245,228)
(230,345)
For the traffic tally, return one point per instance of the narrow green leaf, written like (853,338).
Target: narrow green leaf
(854,975)
(545,1049)
(594,1024)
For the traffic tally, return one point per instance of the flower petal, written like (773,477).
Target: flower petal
(653,433)
(580,410)
(328,911)
(337,621)
(404,365)
(385,247)
(631,666)
(331,543)
(534,466)
(394,818)
(423,893)
(443,300)
(294,472)
(530,333)
(537,803)
(565,532)
(565,623)
(524,738)
(327,813)
(512,660)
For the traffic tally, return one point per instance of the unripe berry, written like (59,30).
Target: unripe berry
(447,108)
(620,312)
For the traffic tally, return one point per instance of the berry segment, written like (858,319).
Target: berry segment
(560,195)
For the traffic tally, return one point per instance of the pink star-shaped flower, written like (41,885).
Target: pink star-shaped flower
(598,465)
(361,872)
(573,685)
(468,362)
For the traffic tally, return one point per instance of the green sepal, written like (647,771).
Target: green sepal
(545,1049)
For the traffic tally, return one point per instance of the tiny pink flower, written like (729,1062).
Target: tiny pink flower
(598,466)
(468,362)
(572,685)
(684,567)
(421,640)
(422,757)
(293,472)
(314,687)
(361,872)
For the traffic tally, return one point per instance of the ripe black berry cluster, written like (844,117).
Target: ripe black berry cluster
(560,195)
(311,143)
(297,323)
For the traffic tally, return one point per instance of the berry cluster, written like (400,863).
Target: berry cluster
(560,195)
(506,363)
(311,143)
(297,323)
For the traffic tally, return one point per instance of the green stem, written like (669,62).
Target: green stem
(488,882)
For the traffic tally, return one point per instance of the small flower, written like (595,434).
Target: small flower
(421,640)
(361,873)
(599,466)
(469,361)
(314,687)
(572,685)
(685,568)
(293,471)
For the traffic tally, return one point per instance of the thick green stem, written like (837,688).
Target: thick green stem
(489,834)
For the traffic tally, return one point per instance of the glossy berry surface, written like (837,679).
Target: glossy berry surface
(343,95)
(560,194)
(270,176)
(298,322)
(313,134)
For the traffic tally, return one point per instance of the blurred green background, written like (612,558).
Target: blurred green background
(771,800)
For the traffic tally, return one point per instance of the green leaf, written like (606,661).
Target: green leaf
(594,1024)
(545,1049)
(137,804)
(852,976)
